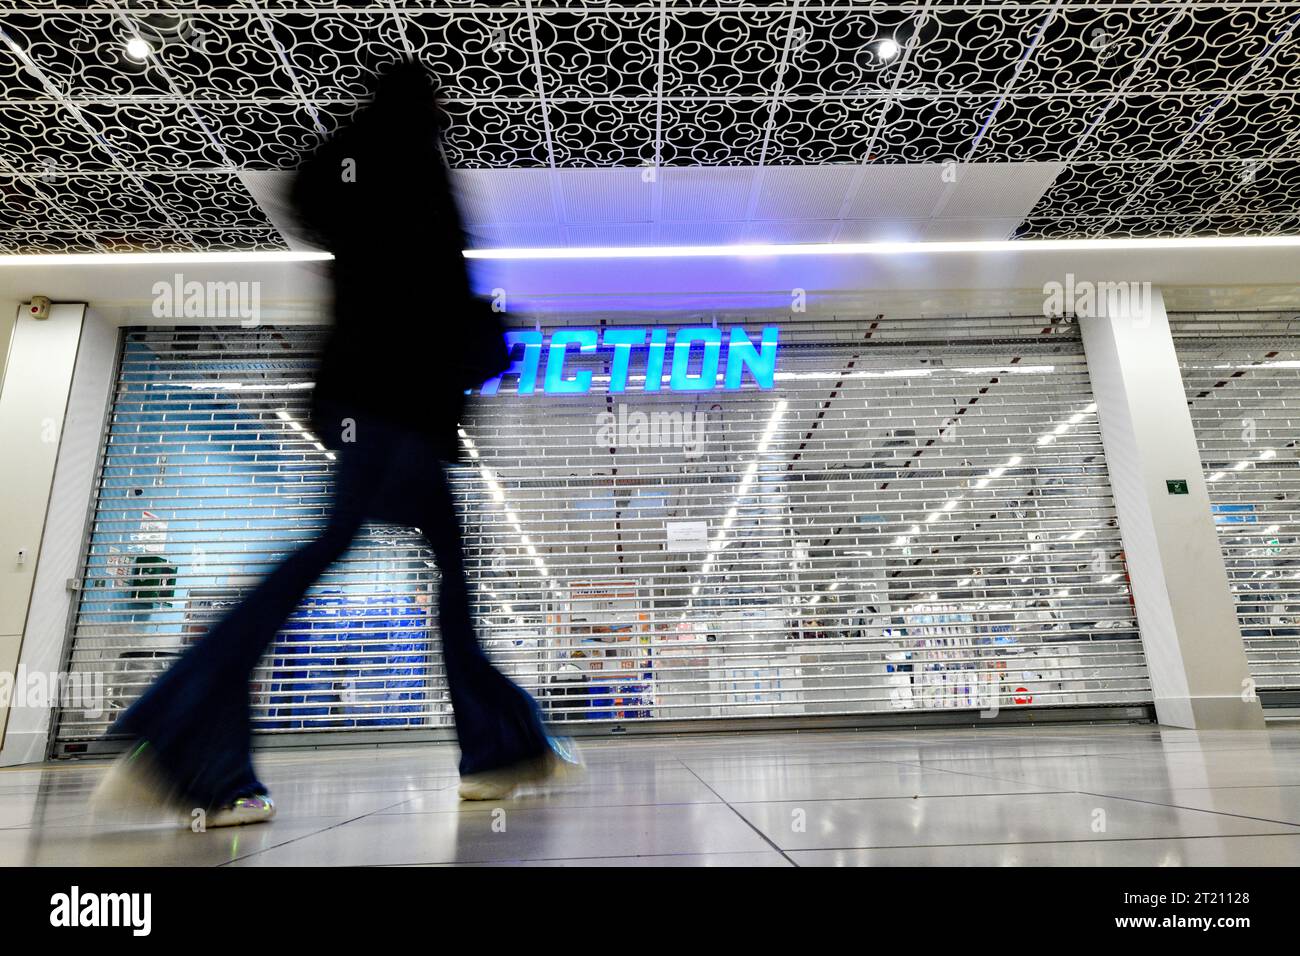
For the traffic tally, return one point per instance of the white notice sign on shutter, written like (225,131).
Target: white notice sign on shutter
(688,535)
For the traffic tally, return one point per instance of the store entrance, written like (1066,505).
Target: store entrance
(915,519)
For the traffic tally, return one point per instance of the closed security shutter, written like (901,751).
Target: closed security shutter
(209,477)
(915,517)
(1242,376)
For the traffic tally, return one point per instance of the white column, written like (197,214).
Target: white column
(1185,609)
(64,513)
(33,402)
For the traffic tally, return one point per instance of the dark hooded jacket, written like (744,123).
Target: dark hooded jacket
(378,196)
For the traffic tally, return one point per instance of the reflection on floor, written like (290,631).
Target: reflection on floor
(1048,795)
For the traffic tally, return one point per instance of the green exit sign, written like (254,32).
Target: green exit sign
(1176,486)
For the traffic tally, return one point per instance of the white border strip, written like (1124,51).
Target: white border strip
(158,258)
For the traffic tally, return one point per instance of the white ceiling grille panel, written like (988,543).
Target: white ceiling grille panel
(1185,111)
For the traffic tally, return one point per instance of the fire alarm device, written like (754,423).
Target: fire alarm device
(39,307)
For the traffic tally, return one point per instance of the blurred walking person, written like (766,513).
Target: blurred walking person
(409,337)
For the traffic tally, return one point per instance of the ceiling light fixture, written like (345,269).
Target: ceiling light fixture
(976,247)
(887,49)
(138,50)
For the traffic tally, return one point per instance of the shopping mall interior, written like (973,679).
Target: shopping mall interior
(894,465)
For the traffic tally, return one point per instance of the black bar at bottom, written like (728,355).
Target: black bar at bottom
(467,908)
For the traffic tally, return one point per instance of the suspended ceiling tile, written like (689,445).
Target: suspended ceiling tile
(699,233)
(881,230)
(998,190)
(609,234)
(804,192)
(521,196)
(604,195)
(896,192)
(705,192)
(527,235)
(791,231)
(966,230)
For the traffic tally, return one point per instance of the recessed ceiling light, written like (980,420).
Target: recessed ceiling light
(138,49)
(887,49)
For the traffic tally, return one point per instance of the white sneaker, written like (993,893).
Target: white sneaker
(259,808)
(566,759)
(133,791)
(560,761)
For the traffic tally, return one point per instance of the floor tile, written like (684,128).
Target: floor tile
(1204,851)
(595,790)
(850,781)
(160,845)
(1281,804)
(763,858)
(532,834)
(1006,818)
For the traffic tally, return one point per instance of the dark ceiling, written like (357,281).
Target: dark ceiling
(1171,118)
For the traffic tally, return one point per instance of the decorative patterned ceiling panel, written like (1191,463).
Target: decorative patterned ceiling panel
(1167,118)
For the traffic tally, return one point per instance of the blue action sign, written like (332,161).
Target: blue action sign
(733,354)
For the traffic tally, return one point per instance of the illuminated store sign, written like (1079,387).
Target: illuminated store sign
(698,355)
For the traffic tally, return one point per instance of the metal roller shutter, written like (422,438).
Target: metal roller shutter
(917,517)
(1242,376)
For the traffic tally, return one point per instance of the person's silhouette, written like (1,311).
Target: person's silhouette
(388,399)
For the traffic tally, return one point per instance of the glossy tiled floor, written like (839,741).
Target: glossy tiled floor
(1050,795)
